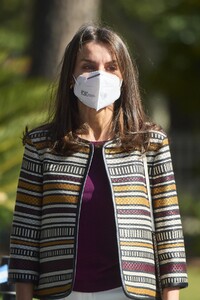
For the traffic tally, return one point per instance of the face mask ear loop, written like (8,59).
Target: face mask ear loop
(72,84)
(74,78)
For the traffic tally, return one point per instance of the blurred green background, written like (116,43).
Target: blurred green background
(164,39)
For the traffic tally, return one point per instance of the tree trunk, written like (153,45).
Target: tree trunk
(54,24)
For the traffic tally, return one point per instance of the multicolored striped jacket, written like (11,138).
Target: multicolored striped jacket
(46,219)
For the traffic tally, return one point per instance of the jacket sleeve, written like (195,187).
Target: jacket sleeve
(168,227)
(25,234)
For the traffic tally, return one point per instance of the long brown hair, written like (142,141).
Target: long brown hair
(129,119)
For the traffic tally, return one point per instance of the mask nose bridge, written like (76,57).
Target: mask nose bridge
(94,75)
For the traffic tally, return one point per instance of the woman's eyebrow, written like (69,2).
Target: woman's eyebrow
(87,60)
(113,61)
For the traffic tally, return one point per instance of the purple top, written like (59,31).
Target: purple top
(97,258)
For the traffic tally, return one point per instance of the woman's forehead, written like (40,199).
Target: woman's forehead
(95,51)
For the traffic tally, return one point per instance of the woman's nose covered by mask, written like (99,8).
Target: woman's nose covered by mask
(97,89)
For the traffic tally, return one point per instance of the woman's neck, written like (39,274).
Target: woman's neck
(96,136)
(98,125)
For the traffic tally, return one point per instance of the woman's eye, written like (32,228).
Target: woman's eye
(88,67)
(112,68)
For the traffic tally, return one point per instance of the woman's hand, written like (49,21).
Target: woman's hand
(171,294)
(24,291)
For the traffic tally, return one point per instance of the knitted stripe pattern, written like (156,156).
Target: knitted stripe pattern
(134,222)
(45,224)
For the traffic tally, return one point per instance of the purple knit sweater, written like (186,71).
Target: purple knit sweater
(97,260)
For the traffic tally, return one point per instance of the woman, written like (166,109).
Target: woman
(82,227)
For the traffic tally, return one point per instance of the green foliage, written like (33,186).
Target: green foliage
(190,206)
(164,38)
(14,14)
(190,212)
(23,102)
(192,292)
(16,41)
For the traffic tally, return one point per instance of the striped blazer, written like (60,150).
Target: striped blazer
(44,234)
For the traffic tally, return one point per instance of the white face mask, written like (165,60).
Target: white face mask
(98,89)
